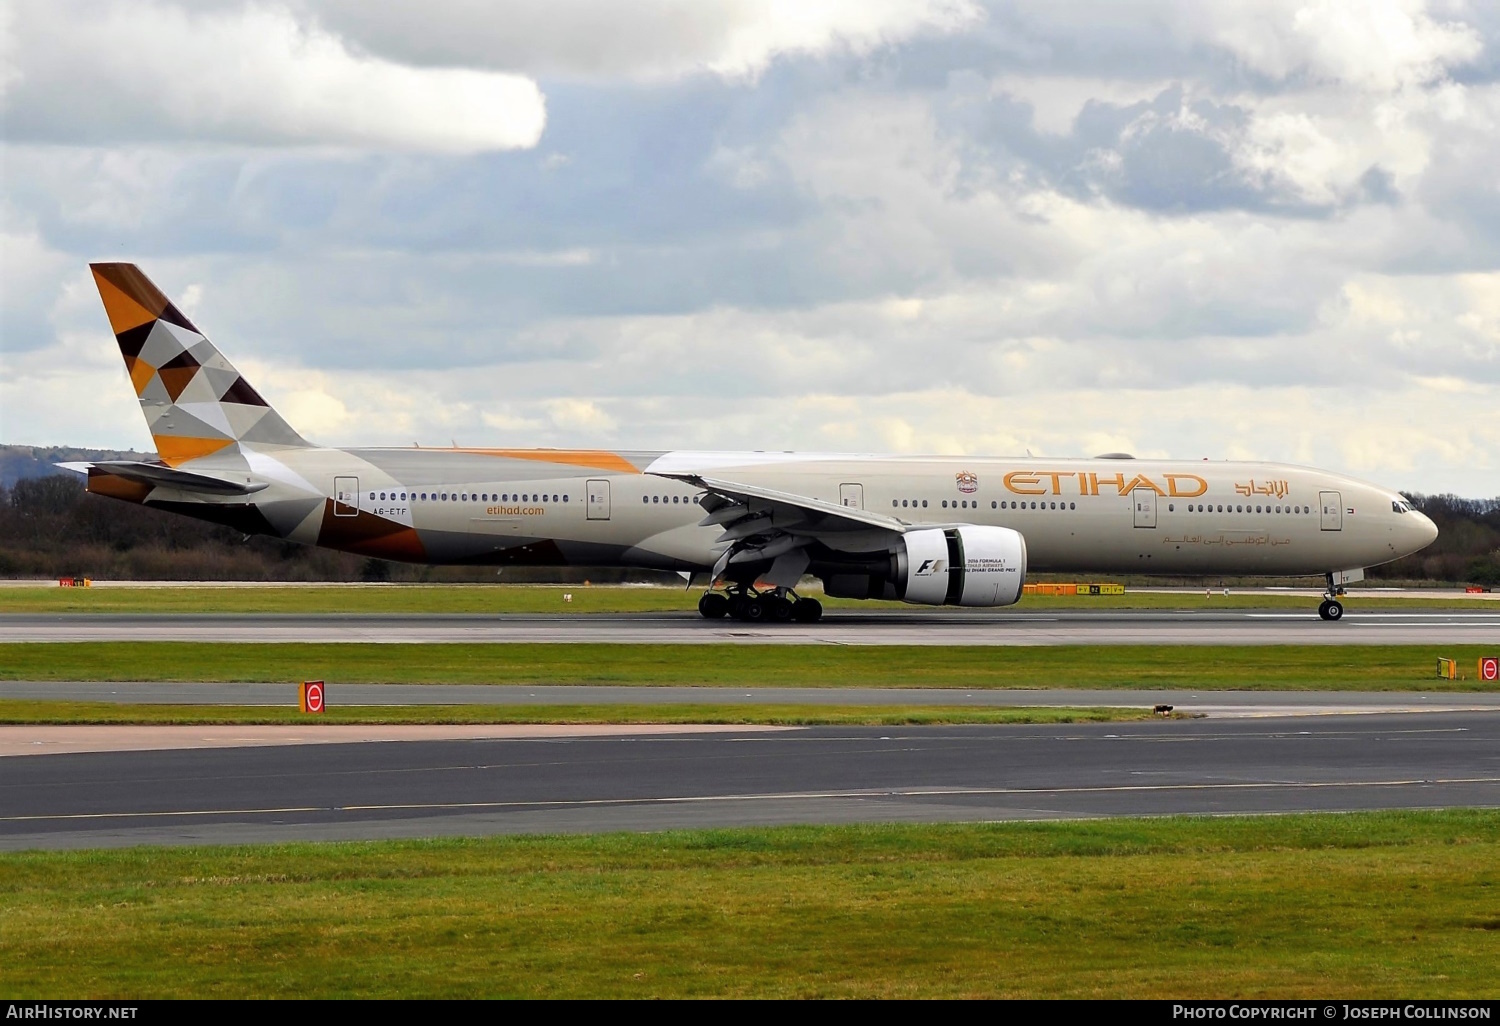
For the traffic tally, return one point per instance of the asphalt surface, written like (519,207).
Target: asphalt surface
(1207,703)
(856,627)
(636,781)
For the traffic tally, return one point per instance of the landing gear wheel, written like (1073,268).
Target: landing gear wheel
(1331,609)
(807,611)
(778,609)
(753,610)
(713,606)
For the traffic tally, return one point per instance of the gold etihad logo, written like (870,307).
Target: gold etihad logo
(1028,482)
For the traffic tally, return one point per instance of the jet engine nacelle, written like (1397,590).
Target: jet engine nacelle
(963,566)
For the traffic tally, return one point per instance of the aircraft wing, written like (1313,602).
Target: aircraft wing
(164,476)
(764,525)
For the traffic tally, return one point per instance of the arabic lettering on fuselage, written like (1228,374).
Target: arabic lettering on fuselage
(1276,488)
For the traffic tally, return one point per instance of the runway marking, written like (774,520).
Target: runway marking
(957,792)
(1464,617)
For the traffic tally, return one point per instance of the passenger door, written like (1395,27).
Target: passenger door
(852,495)
(1144,500)
(346,496)
(598,500)
(1332,516)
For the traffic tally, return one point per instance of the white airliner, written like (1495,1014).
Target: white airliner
(934,530)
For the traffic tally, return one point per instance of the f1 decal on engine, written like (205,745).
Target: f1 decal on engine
(930,567)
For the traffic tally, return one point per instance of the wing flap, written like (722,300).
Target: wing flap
(819,515)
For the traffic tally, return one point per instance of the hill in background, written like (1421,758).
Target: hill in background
(18,462)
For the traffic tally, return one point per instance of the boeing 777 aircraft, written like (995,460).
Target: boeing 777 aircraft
(934,530)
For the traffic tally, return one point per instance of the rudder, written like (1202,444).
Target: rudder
(194,401)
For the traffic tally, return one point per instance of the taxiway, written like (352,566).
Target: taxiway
(639,780)
(1183,700)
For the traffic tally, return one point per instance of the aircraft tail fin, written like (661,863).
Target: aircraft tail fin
(195,402)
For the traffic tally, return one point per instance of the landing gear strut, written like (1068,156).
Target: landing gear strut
(780,605)
(1332,608)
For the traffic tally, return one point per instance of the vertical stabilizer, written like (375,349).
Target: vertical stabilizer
(195,402)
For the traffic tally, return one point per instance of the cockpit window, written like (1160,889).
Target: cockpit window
(1400,507)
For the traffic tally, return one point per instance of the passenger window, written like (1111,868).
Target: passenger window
(945,503)
(993,504)
(894,503)
(1171,508)
(565,496)
(1072,505)
(924,503)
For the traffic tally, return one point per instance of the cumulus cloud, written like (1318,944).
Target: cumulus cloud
(1376,45)
(1188,229)
(103,71)
(644,39)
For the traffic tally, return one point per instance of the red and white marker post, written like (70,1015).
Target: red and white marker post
(312,696)
(1489,668)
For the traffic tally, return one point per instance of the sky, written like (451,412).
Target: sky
(1177,228)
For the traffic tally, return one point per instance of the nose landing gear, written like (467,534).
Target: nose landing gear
(1331,608)
(780,605)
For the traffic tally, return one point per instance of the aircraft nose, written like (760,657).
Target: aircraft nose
(1424,531)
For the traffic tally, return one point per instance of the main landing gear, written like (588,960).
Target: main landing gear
(780,605)
(1332,608)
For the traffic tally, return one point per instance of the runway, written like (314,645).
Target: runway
(640,781)
(839,627)
(1204,703)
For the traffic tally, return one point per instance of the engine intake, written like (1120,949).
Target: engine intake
(962,566)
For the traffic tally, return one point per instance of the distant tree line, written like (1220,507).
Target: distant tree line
(1467,549)
(51,527)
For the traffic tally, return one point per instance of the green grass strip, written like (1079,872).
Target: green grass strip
(19,711)
(1371,905)
(1255,667)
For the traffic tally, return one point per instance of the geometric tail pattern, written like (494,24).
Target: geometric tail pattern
(194,401)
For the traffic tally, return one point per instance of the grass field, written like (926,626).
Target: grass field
(1380,905)
(1257,667)
(604,599)
(15,711)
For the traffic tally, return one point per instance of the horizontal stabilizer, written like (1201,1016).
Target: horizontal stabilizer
(160,474)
